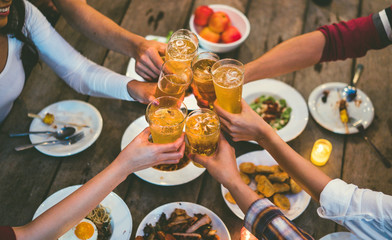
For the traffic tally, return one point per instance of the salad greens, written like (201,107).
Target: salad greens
(275,112)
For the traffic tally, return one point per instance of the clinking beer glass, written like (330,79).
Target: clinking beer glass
(202,131)
(228,78)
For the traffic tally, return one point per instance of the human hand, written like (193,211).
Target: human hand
(141,91)
(141,153)
(148,59)
(222,165)
(245,126)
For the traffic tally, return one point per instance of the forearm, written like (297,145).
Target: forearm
(291,55)
(309,177)
(106,32)
(61,217)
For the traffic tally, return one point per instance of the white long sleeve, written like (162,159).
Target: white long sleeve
(77,71)
(366,213)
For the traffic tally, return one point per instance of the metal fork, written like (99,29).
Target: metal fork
(358,125)
(70,140)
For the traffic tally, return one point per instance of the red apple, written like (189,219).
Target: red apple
(209,35)
(231,34)
(202,14)
(218,22)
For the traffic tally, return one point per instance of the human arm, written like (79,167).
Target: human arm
(333,42)
(248,125)
(81,74)
(138,155)
(263,218)
(106,32)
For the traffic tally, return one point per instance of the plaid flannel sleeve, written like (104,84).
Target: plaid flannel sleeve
(266,221)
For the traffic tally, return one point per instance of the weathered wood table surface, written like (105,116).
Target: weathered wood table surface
(27,178)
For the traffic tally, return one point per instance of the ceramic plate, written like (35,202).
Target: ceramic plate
(327,114)
(121,216)
(299,202)
(340,236)
(152,175)
(190,100)
(280,90)
(72,111)
(191,209)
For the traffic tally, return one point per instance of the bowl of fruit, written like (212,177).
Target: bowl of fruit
(220,28)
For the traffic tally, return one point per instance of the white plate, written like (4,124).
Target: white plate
(280,90)
(72,111)
(299,202)
(327,114)
(152,175)
(119,211)
(340,236)
(191,209)
(190,100)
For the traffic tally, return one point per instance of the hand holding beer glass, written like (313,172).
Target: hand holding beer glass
(228,78)
(202,77)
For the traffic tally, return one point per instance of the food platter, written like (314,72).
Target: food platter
(191,209)
(119,211)
(280,90)
(299,201)
(70,111)
(327,113)
(152,175)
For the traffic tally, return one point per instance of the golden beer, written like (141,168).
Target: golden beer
(202,77)
(202,131)
(228,78)
(166,117)
(182,47)
(171,85)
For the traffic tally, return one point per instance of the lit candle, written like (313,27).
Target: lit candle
(320,153)
(246,235)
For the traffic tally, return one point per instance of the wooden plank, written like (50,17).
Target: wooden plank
(305,81)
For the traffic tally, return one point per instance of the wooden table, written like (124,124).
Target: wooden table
(27,178)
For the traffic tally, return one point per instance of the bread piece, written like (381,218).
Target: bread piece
(248,167)
(265,187)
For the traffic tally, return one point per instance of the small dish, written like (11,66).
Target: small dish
(299,202)
(152,175)
(190,100)
(72,111)
(327,114)
(270,87)
(191,209)
(119,211)
(238,20)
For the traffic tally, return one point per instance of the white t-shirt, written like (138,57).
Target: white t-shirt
(366,213)
(81,74)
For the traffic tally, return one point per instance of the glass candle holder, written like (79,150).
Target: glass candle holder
(321,151)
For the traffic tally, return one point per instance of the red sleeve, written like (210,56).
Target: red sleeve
(7,233)
(353,38)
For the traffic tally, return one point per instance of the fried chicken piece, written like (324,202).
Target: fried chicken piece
(267,169)
(281,201)
(248,167)
(295,188)
(230,198)
(260,194)
(278,177)
(281,187)
(265,187)
(257,177)
(245,178)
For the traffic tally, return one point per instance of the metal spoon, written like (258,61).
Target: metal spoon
(59,134)
(350,92)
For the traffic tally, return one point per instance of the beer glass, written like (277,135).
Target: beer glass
(182,47)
